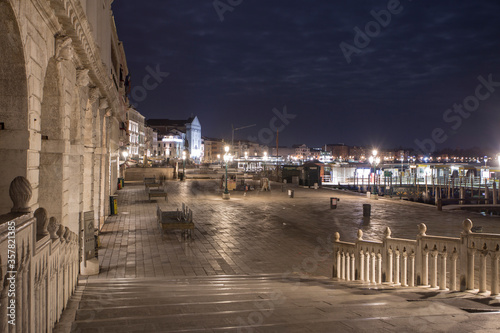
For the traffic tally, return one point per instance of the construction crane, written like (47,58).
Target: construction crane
(236,129)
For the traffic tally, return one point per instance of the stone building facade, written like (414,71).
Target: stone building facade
(176,135)
(62,100)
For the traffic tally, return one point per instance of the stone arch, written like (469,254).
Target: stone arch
(53,148)
(14,124)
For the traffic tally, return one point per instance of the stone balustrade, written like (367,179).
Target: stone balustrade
(39,265)
(443,263)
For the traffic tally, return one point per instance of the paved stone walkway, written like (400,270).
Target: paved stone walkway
(262,232)
(249,248)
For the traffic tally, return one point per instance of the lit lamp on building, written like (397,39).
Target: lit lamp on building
(227,157)
(374,161)
(184,155)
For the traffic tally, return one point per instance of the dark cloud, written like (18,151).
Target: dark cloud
(267,54)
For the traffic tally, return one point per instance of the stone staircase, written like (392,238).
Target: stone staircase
(258,303)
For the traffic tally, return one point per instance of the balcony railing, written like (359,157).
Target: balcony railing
(443,263)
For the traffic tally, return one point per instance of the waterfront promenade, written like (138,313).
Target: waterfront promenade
(255,245)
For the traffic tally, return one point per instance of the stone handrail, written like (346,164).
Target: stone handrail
(444,263)
(39,266)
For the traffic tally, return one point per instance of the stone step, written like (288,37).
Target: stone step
(238,304)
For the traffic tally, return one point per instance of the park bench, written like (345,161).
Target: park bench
(158,193)
(176,220)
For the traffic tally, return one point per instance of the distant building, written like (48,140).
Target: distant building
(188,131)
(339,151)
(214,150)
(136,132)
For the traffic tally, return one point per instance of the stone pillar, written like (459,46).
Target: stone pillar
(494,276)
(482,271)
(442,273)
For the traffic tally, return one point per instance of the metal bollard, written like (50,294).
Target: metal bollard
(333,203)
(367,210)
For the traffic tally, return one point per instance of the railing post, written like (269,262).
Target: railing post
(379,268)
(396,268)
(337,267)
(482,270)
(389,266)
(348,266)
(343,266)
(411,281)
(420,257)
(367,271)
(353,266)
(494,276)
(470,268)
(442,274)
(404,271)
(373,268)
(453,271)
(434,275)
(361,265)
(425,267)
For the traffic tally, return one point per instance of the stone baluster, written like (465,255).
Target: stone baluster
(348,268)
(482,269)
(404,270)
(390,273)
(396,267)
(470,268)
(411,280)
(367,269)
(442,273)
(373,271)
(494,275)
(343,266)
(336,239)
(434,272)
(337,271)
(353,266)
(361,265)
(379,268)
(425,267)
(453,271)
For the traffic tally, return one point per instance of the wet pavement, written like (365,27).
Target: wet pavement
(260,232)
(262,262)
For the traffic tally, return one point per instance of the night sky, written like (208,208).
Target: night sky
(265,55)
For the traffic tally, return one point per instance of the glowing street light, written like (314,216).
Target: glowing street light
(227,157)
(184,164)
(374,161)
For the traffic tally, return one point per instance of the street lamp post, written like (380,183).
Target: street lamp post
(183,165)
(226,194)
(374,160)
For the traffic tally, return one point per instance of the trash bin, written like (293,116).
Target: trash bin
(333,203)
(113,204)
(181,176)
(290,193)
(367,210)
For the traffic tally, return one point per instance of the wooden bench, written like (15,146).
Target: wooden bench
(158,194)
(176,220)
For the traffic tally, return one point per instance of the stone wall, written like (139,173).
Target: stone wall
(133,174)
(59,108)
